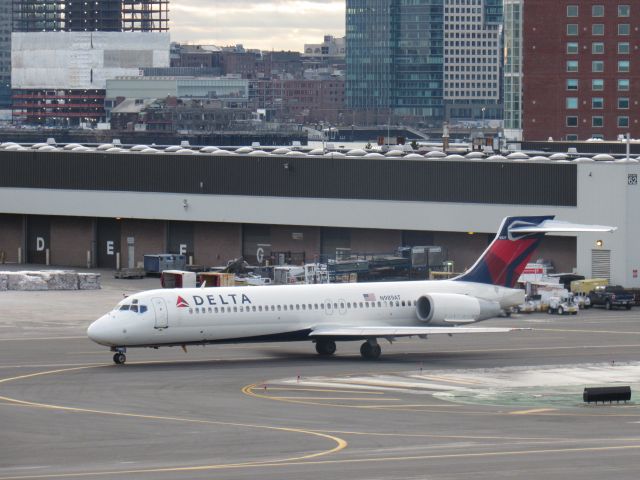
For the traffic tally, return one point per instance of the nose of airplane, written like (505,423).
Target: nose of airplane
(100,331)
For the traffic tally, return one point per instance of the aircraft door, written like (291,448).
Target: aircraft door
(162,315)
(342,306)
(328,307)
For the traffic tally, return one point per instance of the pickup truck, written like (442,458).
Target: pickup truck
(611,296)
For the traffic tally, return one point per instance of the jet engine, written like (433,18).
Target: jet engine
(451,308)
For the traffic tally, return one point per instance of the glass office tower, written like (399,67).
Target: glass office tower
(513,69)
(395,56)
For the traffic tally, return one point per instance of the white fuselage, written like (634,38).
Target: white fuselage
(276,313)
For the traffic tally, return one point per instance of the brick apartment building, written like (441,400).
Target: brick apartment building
(581,73)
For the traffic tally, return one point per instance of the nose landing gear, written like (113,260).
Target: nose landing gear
(119,357)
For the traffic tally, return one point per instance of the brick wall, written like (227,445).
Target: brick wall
(282,240)
(149,237)
(545,54)
(71,238)
(10,236)
(216,243)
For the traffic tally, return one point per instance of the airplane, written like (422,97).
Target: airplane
(330,313)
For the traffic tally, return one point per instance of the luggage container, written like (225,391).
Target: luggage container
(216,279)
(177,279)
(156,264)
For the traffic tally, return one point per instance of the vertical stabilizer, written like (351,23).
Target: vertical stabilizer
(504,260)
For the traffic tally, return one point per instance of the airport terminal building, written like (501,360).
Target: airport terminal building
(90,206)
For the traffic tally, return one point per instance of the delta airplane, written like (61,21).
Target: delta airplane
(328,313)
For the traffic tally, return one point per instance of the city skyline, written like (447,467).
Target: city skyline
(273,25)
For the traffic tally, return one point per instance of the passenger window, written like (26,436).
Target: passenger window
(254,308)
(403,304)
(341,305)
(191,310)
(366,304)
(259,308)
(348,304)
(210,310)
(290,307)
(315,306)
(235,309)
(241,309)
(215,309)
(304,307)
(273,308)
(361,305)
(397,303)
(322,306)
(278,307)
(379,304)
(335,305)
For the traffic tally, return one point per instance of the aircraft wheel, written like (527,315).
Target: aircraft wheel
(370,352)
(607,305)
(560,311)
(326,347)
(119,358)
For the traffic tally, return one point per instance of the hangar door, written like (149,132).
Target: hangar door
(335,243)
(180,238)
(38,239)
(108,242)
(256,244)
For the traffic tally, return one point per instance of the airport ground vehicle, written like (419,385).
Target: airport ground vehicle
(611,296)
(562,306)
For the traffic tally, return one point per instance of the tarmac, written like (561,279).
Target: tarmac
(485,406)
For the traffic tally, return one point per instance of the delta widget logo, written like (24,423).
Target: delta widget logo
(181,303)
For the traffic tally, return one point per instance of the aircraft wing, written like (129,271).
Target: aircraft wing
(390,331)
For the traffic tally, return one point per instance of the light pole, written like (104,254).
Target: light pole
(483,109)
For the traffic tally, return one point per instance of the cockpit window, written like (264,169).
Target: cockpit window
(134,307)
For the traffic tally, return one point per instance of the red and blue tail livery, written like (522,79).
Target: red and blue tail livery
(505,259)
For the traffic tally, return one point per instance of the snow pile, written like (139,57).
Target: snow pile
(88,281)
(49,280)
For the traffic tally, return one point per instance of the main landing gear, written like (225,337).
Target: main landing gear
(370,350)
(119,357)
(326,347)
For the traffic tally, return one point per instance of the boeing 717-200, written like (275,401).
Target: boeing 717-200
(330,313)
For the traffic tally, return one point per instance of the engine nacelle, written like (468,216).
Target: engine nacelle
(451,308)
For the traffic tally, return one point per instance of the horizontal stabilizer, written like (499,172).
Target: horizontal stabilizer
(374,332)
(551,226)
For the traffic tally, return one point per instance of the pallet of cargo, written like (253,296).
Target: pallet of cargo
(129,273)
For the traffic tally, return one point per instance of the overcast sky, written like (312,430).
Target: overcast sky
(266,25)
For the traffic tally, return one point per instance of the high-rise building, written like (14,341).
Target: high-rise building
(512,69)
(581,77)
(429,60)
(5,53)
(472,60)
(63,52)
(102,16)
